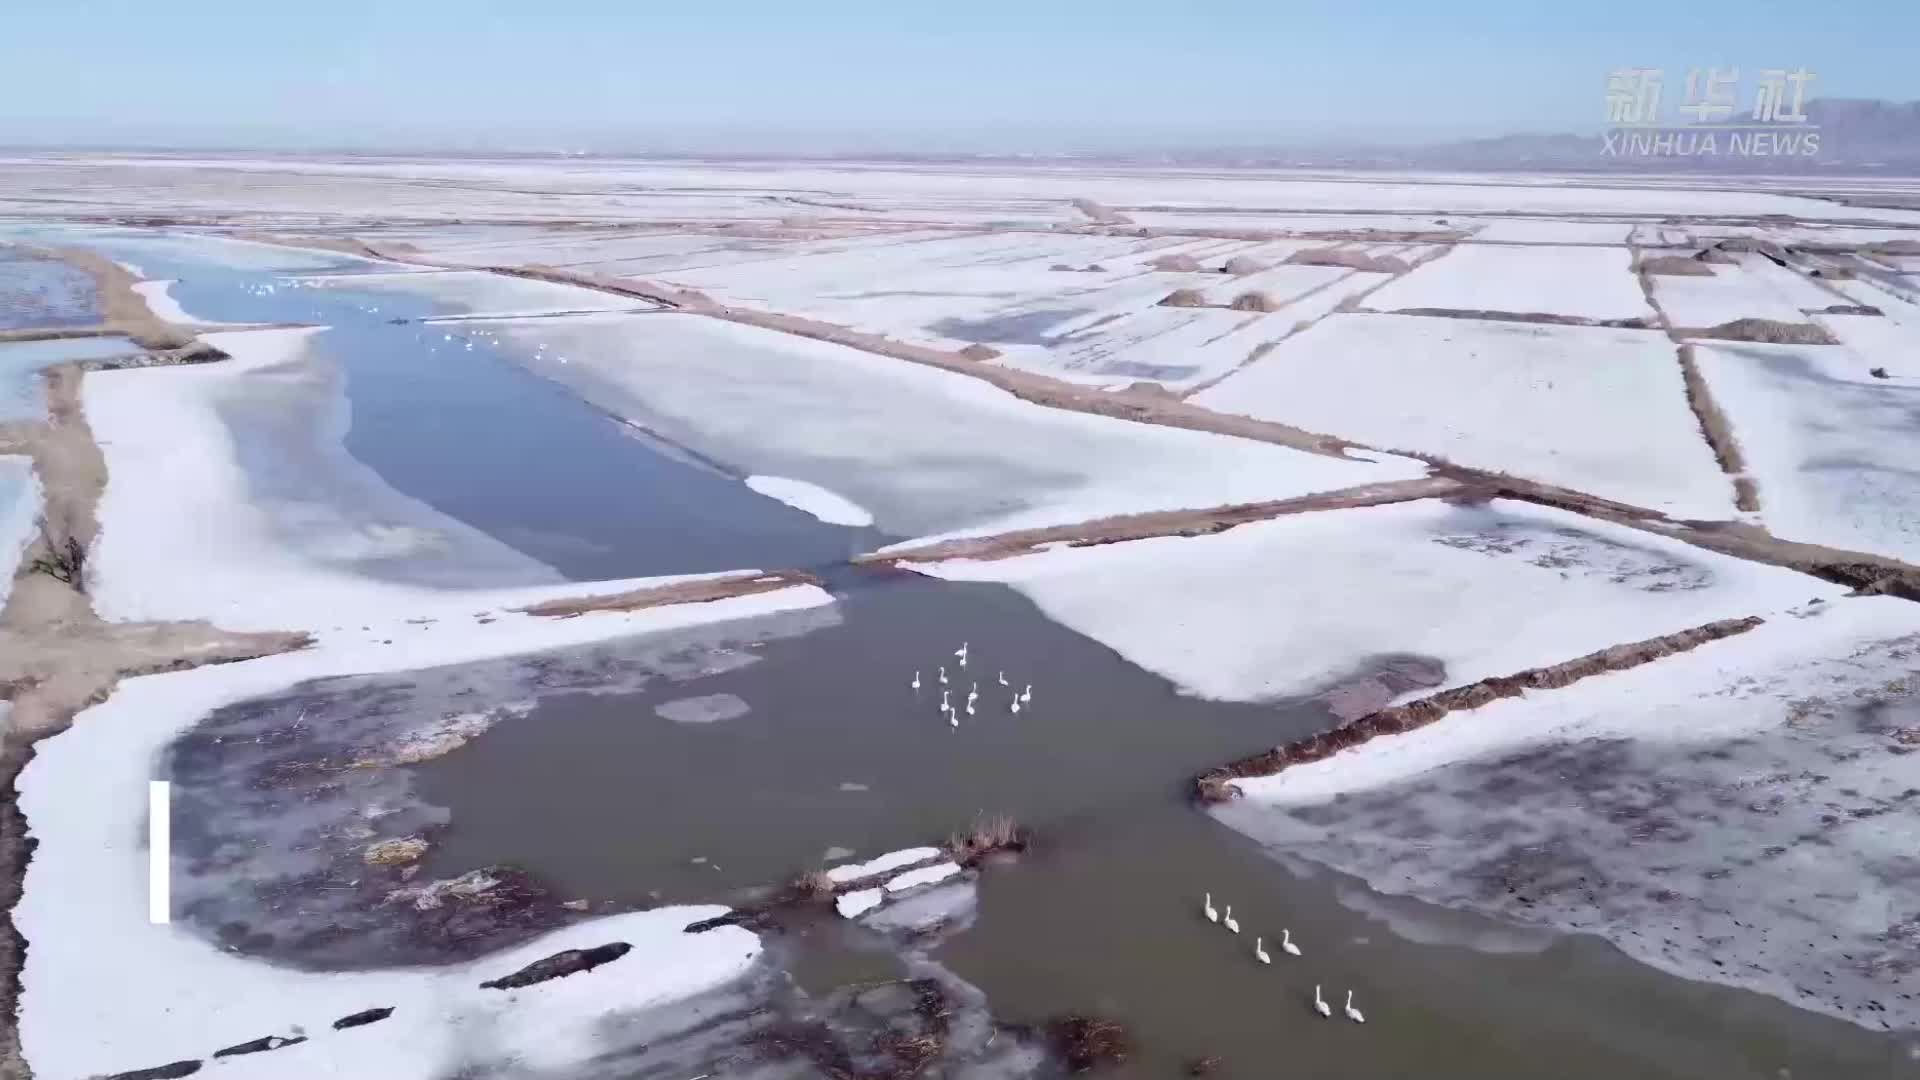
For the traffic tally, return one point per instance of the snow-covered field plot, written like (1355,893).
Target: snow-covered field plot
(1743,813)
(21,363)
(1538,231)
(1596,409)
(1733,292)
(108,991)
(1296,604)
(1585,282)
(1881,341)
(925,451)
(1831,446)
(19,510)
(474,292)
(1282,283)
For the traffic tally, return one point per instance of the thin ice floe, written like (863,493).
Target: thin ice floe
(813,499)
(926,875)
(854,904)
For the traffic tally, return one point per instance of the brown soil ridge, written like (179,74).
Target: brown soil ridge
(1763,331)
(1718,431)
(123,310)
(680,592)
(1203,522)
(1635,322)
(1216,785)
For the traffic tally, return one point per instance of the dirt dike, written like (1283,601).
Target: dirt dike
(1203,522)
(682,592)
(1216,785)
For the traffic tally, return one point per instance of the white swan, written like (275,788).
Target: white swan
(1260,952)
(1026,696)
(1286,943)
(944,703)
(916,680)
(973,693)
(961,652)
(943,674)
(1354,1014)
(969,706)
(1206,908)
(1003,678)
(953,718)
(1319,1005)
(1229,921)
(1016,705)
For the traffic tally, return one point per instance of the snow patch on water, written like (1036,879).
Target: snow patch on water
(890,861)
(854,904)
(166,308)
(813,499)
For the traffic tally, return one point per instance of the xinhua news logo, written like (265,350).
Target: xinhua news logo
(1714,122)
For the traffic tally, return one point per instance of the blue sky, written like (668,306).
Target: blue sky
(966,75)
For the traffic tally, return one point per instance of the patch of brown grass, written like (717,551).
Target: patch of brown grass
(1184,298)
(980,353)
(1768,332)
(1241,265)
(987,834)
(1714,424)
(1254,300)
(814,885)
(1674,266)
(1089,1042)
(1746,494)
(1176,263)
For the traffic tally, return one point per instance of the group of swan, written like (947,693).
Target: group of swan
(952,712)
(1287,946)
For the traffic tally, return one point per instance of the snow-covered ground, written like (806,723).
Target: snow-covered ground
(1597,409)
(924,451)
(1741,813)
(19,509)
(107,991)
(1586,282)
(1831,446)
(1278,608)
(1733,292)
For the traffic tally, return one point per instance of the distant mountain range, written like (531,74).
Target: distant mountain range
(1861,136)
